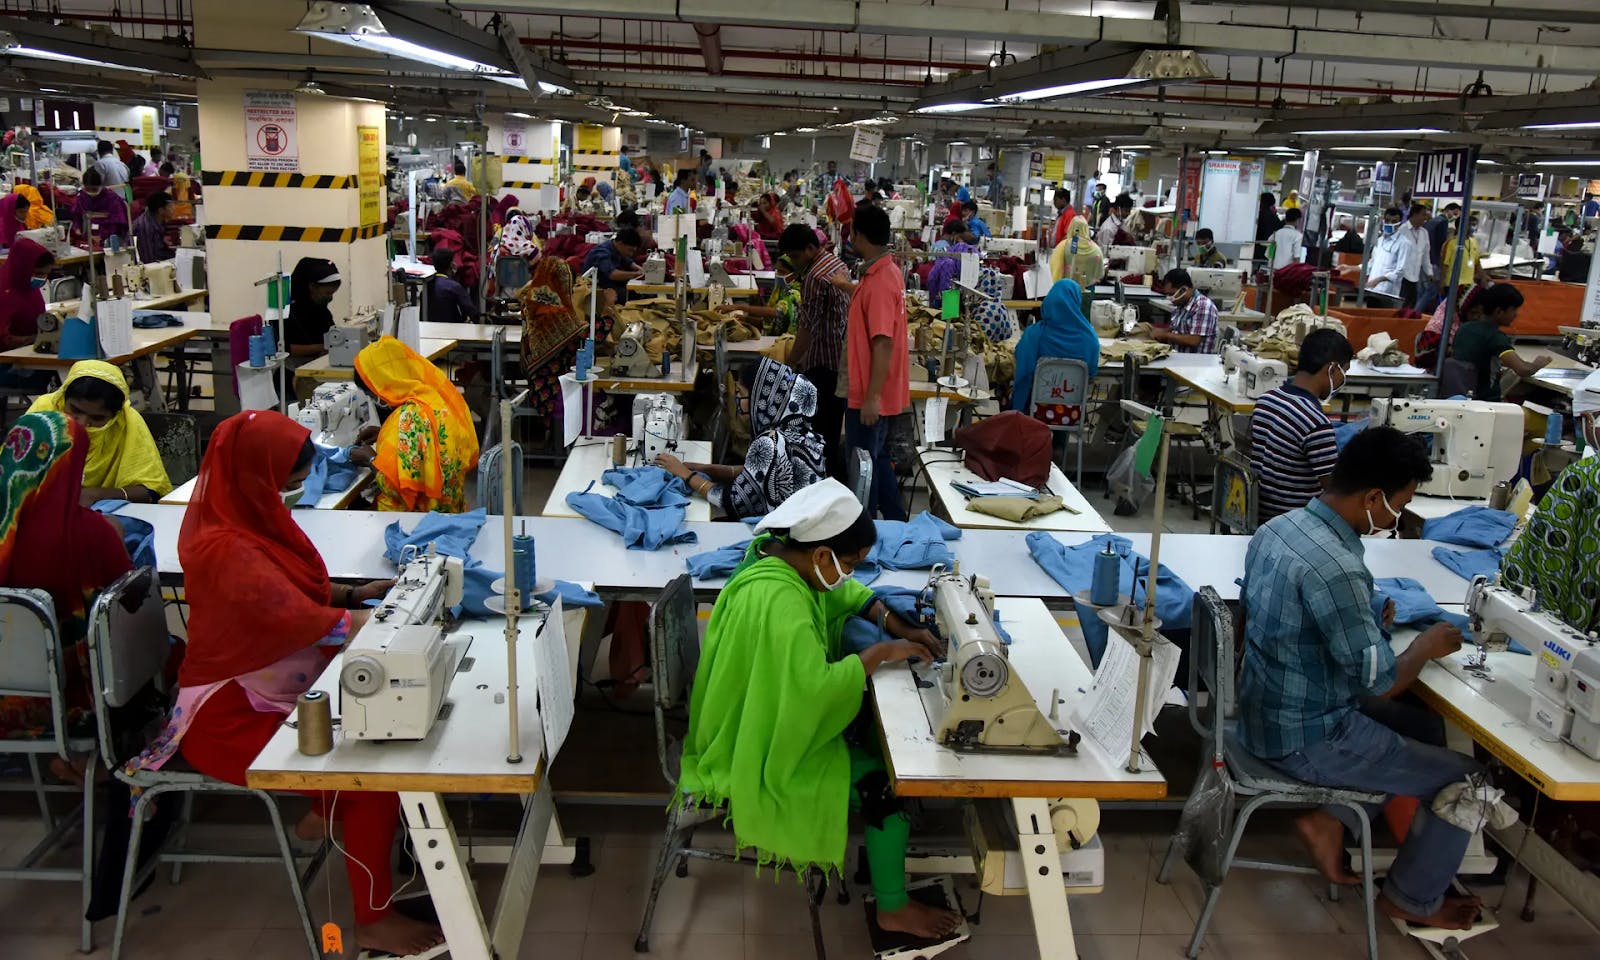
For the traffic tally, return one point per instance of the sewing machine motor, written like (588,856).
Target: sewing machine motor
(1475,443)
(344,340)
(655,268)
(630,358)
(397,669)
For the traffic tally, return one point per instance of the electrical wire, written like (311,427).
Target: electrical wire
(328,826)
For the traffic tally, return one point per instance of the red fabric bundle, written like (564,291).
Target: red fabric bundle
(1011,444)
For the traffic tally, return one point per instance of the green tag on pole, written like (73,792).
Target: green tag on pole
(950,305)
(1145,452)
(277,293)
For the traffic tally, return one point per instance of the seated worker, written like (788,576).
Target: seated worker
(448,300)
(107,212)
(1468,310)
(777,728)
(975,224)
(1555,554)
(14,209)
(1485,339)
(150,229)
(1193,328)
(1114,229)
(614,259)
(1206,253)
(241,675)
(782,308)
(553,329)
(427,444)
(1575,261)
(49,541)
(39,212)
(1078,257)
(459,183)
(1062,331)
(786,453)
(22,283)
(957,238)
(312,285)
(1292,449)
(123,462)
(768,217)
(1318,674)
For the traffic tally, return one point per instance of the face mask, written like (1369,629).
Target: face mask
(292,497)
(37,283)
(1342,381)
(1206,247)
(92,191)
(1388,229)
(1373,530)
(828,585)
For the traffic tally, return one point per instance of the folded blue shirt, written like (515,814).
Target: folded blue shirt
(718,563)
(1470,563)
(641,528)
(1414,606)
(648,486)
(1073,568)
(138,536)
(1474,526)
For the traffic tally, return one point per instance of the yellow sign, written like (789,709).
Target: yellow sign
(1238,500)
(147,126)
(1141,168)
(1275,173)
(589,138)
(1055,167)
(369,174)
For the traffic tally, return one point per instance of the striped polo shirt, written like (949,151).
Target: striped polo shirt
(1291,448)
(824,313)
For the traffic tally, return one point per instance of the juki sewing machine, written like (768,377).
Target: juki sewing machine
(657,425)
(1008,246)
(1223,284)
(987,707)
(631,359)
(1475,443)
(1256,375)
(655,268)
(335,414)
(52,238)
(397,668)
(141,280)
(344,340)
(1136,259)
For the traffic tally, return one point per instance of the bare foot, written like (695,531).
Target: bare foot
(920,921)
(1323,835)
(1456,913)
(312,827)
(399,935)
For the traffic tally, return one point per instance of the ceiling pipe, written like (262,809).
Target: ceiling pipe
(710,37)
(745,53)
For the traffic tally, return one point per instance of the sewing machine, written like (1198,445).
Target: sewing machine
(52,238)
(1257,376)
(1218,283)
(1008,246)
(344,340)
(630,358)
(142,281)
(655,268)
(397,668)
(717,273)
(657,425)
(335,414)
(905,214)
(1475,443)
(48,338)
(192,235)
(1566,679)
(1136,259)
(987,707)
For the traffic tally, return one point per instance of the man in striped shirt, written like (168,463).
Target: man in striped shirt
(1291,440)
(825,290)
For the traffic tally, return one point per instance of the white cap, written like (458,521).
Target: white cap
(812,514)
(1586,398)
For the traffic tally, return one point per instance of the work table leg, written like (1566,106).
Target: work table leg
(449,884)
(1047,894)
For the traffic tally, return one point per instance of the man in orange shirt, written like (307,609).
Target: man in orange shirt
(1064,215)
(877,356)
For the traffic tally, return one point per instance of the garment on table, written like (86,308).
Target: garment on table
(138,536)
(773,696)
(1556,553)
(1062,331)
(641,528)
(786,453)
(452,535)
(1016,509)
(717,563)
(915,544)
(647,486)
(122,453)
(1480,343)
(945,270)
(331,470)
(21,303)
(1073,568)
(878,309)
(1313,650)
(107,213)
(308,320)
(1468,564)
(49,542)
(824,313)
(150,238)
(552,331)
(1292,449)
(428,444)
(1198,317)
(1474,526)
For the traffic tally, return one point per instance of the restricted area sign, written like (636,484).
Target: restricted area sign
(271,141)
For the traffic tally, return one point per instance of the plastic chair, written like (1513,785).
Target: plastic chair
(128,647)
(858,473)
(1060,400)
(1235,495)
(1212,671)
(674,656)
(31,665)
(177,436)
(492,465)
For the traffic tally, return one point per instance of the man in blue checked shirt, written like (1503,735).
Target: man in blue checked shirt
(1318,676)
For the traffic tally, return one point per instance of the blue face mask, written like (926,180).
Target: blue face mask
(37,283)
(1388,229)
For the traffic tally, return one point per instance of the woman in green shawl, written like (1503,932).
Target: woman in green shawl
(773,720)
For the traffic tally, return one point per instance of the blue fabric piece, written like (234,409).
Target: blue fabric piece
(571,595)
(1073,568)
(1342,432)
(716,564)
(860,633)
(915,544)
(452,535)
(1470,563)
(648,486)
(641,528)
(331,470)
(155,321)
(1474,526)
(1412,603)
(138,536)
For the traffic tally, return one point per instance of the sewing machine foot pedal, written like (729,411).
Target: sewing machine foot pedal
(582,862)
(936,892)
(1443,944)
(415,906)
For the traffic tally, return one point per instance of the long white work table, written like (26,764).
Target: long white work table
(351,543)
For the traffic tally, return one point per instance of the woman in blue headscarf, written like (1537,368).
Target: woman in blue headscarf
(1062,331)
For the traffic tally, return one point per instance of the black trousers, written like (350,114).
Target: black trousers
(829,420)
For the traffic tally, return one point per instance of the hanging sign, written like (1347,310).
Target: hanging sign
(1443,174)
(270,140)
(369,174)
(169,116)
(147,127)
(1055,167)
(1530,186)
(589,138)
(514,138)
(864,146)
(1383,180)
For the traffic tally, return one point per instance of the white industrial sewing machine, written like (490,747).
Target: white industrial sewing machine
(1566,679)
(148,280)
(904,214)
(52,238)
(631,359)
(655,268)
(987,706)
(335,414)
(344,340)
(1475,443)
(1009,246)
(1218,283)
(397,668)
(657,425)
(1256,375)
(1137,259)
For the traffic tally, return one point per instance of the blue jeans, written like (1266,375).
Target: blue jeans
(1427,295)
(884,497)
(1364,754)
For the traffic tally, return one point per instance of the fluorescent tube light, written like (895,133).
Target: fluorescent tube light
(1068,89)
(1568,163)
(953,107)
(15,49)
(1586,125)
(1367,133)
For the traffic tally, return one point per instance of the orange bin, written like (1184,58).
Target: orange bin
(1546,305)
(1362,322)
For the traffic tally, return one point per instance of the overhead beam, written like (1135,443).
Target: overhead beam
(1481,10)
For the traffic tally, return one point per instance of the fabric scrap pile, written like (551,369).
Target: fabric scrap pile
(1280,338)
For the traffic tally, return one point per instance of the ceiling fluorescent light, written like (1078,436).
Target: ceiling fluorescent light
(1585,125)
(1069,89)
(953,107)
(1068,72)
(43,40)
(1568,163)
(1368,132)
(520,115)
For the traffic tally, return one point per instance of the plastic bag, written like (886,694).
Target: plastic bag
(1206,823)
(1124,479)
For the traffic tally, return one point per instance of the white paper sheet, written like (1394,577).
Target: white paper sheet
(571,408)
(697,269)
(408,329)
(933,419)
(258,387)
(1105,715)
(183,266)
(115,321)
(969,269)
(553,674)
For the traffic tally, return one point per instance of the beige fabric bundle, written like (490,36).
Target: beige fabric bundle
(1017,509)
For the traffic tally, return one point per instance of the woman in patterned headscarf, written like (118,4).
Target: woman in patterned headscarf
(785,455)
(552,331)
(427,444)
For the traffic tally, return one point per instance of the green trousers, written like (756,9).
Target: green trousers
(888,829)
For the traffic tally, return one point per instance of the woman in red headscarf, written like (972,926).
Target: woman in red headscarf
(264,620)
(769,219)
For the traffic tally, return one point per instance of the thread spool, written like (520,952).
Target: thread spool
(269,338)
(619,450)
(523,568)
(258,350)
(1107,573)
(315,723)
(1552,430)
(666,364)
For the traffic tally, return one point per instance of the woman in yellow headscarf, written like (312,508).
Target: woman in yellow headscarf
(39,215)
(1078,257)
(427,444)
(123,463)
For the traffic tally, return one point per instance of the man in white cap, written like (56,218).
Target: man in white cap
(1555,554)
(777,730)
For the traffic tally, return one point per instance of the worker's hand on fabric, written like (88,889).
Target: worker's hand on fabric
(727,308)
(894,651)
(927,639)
(1388,615)
(1440,640)
(372,590)
(362,456)
(672,465)
(368,435)
(1541,361)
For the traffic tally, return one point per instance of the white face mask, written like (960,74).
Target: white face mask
(1383,533)
(828,585)
(1343,379)
(292,497)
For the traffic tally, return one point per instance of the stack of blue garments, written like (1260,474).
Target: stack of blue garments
(1482,528)
(647,511)
(1073,568)
(331,470)
(915,544)
(452,535)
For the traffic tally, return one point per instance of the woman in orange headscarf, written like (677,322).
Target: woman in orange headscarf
(427,444)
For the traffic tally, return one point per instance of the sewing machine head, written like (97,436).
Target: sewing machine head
(655,268)
(1257,376)
(52,238)
(631,359)
(717,272)
(1218,283)
(987,707)
(658,425)
(1232,353)
(1137,259)
(335,414)
(1008,246)
(1474,443)
(397,668)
